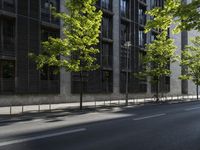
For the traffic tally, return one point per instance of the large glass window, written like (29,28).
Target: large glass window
(48,73)
(107,81)
(46,33)
(48,4)
(9,5)
(124,33)
(106,4)
(142,38)
(46,14)
(156,3)
(153,36)
(7,75)
(123,58)
(142,16)
(107,27)
(144,1)
(124,7)
(8,37)
(107,55)
(141,61)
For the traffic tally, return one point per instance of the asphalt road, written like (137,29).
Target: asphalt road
(152,127)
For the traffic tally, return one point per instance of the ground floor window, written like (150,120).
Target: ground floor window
(7,76)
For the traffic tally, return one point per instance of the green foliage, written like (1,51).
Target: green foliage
(159,54)
(163,17)
(177,13)
(191,60)
(75,51)
(188,16)
(162,51)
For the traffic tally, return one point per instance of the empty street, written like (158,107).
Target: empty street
(148,127)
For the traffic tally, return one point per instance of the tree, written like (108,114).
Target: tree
(159,54)
(81,27)
(191,59)
(181,15)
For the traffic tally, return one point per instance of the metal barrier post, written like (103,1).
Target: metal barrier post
(39,108)
(50,107)
(22,109)
(10,109)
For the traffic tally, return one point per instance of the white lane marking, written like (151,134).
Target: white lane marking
(193,108)
(40,137)
(147,117)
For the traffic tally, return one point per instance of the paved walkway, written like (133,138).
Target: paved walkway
(16,110)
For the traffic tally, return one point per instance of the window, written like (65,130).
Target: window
(46,33)
(8,36)
(107,55)
(48,73)
(124,6)
(107,81)
(152,37)
(106,4)
(123,59)
(156,3)
(48,4)
(144,1)
(124,33)
(9,5)
(141,61)
(46,14)
(142,38)
(107,27)
(7,75)
(142,16)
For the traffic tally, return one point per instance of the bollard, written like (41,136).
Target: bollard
(22,109)
(39,108)
(50,107)
(10,110)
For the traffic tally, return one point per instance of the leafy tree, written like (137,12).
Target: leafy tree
(162,17)
(75,51)
(191,59)
(159,54)
(183,16)
(177,13)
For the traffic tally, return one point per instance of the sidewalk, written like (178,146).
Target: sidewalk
(35,112)
(17,110)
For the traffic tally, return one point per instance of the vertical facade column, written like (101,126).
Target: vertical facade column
(148,36)
(184,42)
(175,83)
(65,77)
(116,47)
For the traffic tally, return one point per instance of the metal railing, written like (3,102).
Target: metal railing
(93,104)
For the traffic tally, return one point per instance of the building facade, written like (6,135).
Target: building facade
(24,24)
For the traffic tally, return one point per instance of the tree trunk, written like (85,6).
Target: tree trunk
(81,90)
(157,90)
(197,88)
